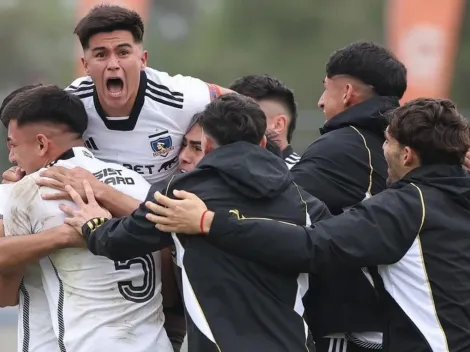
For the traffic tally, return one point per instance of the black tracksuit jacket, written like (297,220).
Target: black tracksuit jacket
(341,168)
(232,304)
(414,237)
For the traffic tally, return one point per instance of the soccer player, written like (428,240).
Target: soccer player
(413,235)
(231,305)
(278,103)
(95,303)
(137,115)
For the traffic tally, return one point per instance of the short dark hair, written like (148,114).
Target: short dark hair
(194,121)
(109,18)
(231,118)
(372,64)
(433,128)
(47,104)
(10,97)
(265,87)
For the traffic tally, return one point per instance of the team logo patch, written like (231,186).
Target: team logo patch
(162,146)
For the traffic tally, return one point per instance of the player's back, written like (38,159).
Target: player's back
(98,304)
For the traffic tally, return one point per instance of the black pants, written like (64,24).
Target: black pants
(340,345)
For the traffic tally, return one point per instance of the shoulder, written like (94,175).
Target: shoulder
(343,141)
(135,183)
(81,87)
(23,201)
(25,189)
(407,198)
(176,85)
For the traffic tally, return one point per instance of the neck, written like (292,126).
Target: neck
(57,152)
(283,143)
(112,111)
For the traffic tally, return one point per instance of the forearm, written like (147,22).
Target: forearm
(125,238)
(254,240)
(118,203)
(9,288)
(17,251)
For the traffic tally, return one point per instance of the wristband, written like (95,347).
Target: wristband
(201,224)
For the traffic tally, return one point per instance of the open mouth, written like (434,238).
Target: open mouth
(115,86)
(183,171)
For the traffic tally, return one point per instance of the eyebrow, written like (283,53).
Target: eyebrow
(195,142)
(120,46)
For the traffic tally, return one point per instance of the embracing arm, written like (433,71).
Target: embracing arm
(377,231)
(127,237)
(10,281)
(118,203)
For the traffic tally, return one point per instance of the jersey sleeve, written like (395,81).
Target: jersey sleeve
(197,94)
(27,213)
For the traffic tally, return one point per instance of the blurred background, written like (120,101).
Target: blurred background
(221,40)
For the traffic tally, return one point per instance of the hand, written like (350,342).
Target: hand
(58,177)
(12,175)
(466,162)
(72,239)
(181,215)
(86,211)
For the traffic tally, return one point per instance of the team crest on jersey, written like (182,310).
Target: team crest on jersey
(162,146)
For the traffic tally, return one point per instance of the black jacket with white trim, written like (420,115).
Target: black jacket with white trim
(416,232)
(290,157)
(232,304)
(341,168)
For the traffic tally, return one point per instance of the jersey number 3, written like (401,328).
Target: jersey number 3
(138,293)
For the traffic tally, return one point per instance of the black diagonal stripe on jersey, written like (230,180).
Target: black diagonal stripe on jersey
(165,102)
(165,95)
(162,87)
(60,311)
(158,134)
(26,307)
(82,83)
(81,89)
(83,96)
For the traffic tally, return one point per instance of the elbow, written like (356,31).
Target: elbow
(8,303)
(8,300)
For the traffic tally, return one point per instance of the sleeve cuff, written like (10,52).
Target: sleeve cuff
(219,223)
(91,225)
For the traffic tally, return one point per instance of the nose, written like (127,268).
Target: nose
(321,102)
(11,157)
(184,156)
(113,62)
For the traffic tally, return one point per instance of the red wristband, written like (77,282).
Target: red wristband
(201,224)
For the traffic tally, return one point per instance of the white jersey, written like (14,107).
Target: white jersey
(96,304)
(148,141)
(35,331)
